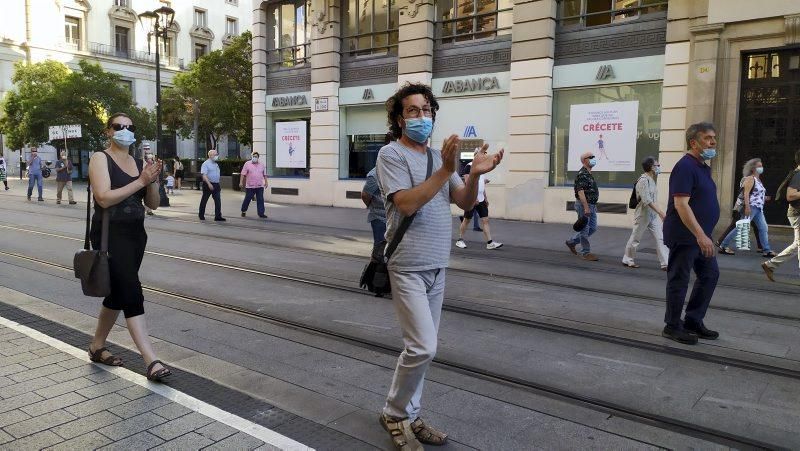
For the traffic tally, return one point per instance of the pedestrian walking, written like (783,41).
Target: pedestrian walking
(419,182)
(647,217)
(177,172)
(209,171)
(475,218)
(170,184)
(3,172)
(586,196)
(371,196)
(120,185)
(750,204)
(64,179)
(791,188)
(692,213)
(481,208)
(35,165)
(254,179)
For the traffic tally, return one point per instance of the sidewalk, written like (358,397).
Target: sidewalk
(54,398)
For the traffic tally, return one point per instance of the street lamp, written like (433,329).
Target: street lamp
(157,23)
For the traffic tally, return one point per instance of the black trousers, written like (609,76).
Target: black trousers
(126,244)
(217,201)
(684,258)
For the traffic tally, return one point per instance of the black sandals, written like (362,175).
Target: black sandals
(158,375)
(111,360)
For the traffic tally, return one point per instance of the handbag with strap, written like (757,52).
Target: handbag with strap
(91,266)
(375,276)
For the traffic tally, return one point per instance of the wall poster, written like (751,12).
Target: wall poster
(290,144)
(606,129)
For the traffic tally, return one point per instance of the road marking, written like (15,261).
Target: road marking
(621,362)
(248,427)
(353,323)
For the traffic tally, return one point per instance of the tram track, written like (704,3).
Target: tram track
(612,408)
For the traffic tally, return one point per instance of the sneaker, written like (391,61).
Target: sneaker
(244,214)
(201,217)
(461,244)
(40,199)
(263,216)
(403,436)
(494,245)
(679,335)
(72,202)
(6,188)
(477,229)
(700,330)
(590,257)
(571,247)
(221,219)
(768,271)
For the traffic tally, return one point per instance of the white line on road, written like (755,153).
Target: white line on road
(621,362)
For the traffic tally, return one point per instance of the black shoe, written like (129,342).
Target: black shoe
(460,219)
(478,229)
(40,199)
(262,216)
(679,335)
(700,330)
(220,219)
(202,218)
(244,213)
(29,197)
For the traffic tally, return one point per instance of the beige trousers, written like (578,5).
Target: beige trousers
(61,186)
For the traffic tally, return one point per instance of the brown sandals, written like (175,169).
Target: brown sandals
(410,436)
(158,375)
(427,434)
(111,360)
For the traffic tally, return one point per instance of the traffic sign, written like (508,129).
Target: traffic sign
(64,131)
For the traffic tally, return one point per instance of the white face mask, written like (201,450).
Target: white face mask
(215,157)
(124,137)
(254,159)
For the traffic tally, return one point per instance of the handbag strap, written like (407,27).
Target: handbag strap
(406,223)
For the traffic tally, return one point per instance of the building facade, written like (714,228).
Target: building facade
(109,33)
(547,80)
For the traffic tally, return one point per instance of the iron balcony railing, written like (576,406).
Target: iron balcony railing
(97,48)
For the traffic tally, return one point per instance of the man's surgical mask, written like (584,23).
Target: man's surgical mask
(657,170)
(419,129)
(124,137)
(708,154)
(254,159)
(592,162)
(215,157)
(760,170)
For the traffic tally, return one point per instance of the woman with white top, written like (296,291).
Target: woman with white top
(647,217)
(751,205)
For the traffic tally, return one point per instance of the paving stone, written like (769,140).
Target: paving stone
(101,376)
(49,405)
(72,363)
(95,405)
(38,424)
(135,392)
(36,441)
(4,381)
(104,388)
(12,369)
(86,424)
(29,374)
(92,440)
(175,428)
(18,401)
(216,431)
(172,411)
(17,358)
(132,426)
(64,387)
(141,405)
(47,359)
(27,386)
(185,442)
(238,441)
(74,373)
(267,447)
(50,351)
(5,438)
(142,440)
(12,416)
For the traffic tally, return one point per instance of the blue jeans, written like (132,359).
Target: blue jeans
(39,180)
(683,258)
(582,237)
(757,218)
(378,230)
(259,194)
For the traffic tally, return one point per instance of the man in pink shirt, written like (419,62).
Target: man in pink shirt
(254,180)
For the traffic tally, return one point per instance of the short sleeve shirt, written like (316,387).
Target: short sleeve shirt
(377,210)
(585,181)
(210,169)
(426,244)
(691,178)
(254,173)
(794,206)
(65,175)
(35,167)
(646,190)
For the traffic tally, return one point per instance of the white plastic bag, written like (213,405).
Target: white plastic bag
(743,234)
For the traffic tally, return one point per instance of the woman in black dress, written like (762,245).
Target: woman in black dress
(120,185)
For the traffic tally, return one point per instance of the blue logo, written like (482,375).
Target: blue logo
(470,132)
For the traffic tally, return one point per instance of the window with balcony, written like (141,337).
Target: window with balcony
(470,20)
(200,18)
(232,2)
(72,32)
(199,51)
(289,33)
(231,26)
(124,3)
(165,48)
(369,27)
(121,41)
(592,13)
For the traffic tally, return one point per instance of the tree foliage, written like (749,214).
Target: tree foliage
(215,93)
(49,93)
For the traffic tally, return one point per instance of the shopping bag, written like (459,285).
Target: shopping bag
(743,234)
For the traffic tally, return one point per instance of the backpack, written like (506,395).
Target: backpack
(634,200)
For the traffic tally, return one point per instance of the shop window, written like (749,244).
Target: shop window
(370,27)
(289,34)
(648,126)
(470,20)
(592,13)
(767,65)
(363,153)
(72,32)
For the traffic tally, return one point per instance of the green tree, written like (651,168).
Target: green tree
(49,93)
(214,95)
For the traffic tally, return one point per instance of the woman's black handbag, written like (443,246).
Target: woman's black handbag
(375,276)
(91,266)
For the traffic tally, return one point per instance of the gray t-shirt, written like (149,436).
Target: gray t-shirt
(794,207)
(426,244)
(376,207)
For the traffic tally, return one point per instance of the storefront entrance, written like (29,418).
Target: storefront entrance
(769,119)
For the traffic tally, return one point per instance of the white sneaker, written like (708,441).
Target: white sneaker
(461,244)
(494,245)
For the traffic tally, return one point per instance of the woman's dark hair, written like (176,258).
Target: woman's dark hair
(110,120)
(394,106)
(648,163)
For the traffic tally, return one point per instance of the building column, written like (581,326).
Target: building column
(530,108)
(325,58)
(259,78)
(416,37)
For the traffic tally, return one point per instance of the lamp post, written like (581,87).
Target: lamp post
(157,23)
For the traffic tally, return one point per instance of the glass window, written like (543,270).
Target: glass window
(165,47)
(469,20)
(200,18)
(199,51)
(592,13)
(648,128)
(72,32)
(765,65)
(290,33)
(231,26)
(121,41)
(125,3)
(370,27)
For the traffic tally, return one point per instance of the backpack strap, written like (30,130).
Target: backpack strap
(406,223)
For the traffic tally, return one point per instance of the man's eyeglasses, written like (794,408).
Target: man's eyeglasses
(118,127)
(414,112)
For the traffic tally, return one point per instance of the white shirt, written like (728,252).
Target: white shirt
(482,188)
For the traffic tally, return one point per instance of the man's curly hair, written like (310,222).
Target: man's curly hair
(394,106)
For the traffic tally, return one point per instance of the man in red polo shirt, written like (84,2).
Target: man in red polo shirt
(692,213)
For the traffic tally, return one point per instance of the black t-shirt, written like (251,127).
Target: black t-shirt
(794,206)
